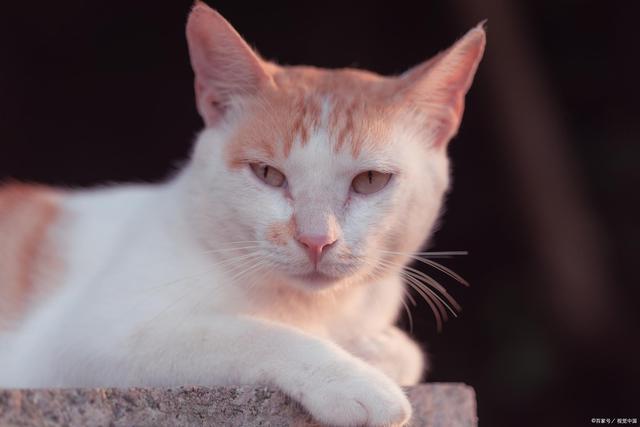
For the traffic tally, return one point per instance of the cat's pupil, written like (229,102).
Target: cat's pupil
(370,175)
(266,172)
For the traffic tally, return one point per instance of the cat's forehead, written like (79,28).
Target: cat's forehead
(350,108)
(345,81)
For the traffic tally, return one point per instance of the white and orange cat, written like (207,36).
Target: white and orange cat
(273,257)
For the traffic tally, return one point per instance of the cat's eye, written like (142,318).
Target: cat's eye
(370,182)
(268,174)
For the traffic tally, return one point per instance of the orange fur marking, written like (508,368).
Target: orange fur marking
(359,102)
(26,215)
(281,233)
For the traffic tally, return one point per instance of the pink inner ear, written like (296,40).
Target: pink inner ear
(224,65)
(438,86)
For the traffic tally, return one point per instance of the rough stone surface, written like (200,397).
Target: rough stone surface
(449,405)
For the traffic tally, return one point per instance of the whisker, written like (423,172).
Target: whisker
(243,241)
(230,249)
(257,268)
(236,258)
(421,276)
(406,307)
(239,265)
(179,280)
(237,262)
(436,311)
(417,257)
(248,270)
(435,284)
(200,274)
(430,253)
(419,286)
(443,253)
(411,299)
(438,300)
(414,278)
(266,265)
(441,268)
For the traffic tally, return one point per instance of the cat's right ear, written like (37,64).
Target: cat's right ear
(225,67)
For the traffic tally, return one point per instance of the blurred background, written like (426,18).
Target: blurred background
(546,164)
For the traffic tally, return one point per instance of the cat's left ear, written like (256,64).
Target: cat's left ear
(438,86)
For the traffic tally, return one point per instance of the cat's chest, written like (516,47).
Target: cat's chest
(375,309)
(339,316)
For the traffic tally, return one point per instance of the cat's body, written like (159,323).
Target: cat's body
(162,272)
(264,260)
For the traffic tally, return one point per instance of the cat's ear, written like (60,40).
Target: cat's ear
(438,86)
(225,67)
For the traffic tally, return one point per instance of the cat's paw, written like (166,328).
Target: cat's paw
(356,396)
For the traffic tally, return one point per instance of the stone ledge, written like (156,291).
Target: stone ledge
(434,405)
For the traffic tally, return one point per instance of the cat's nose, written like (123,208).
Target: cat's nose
(315,245)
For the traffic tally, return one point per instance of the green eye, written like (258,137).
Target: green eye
(268,174)
(370,182)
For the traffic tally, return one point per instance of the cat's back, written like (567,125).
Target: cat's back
(27,214)
(48,236)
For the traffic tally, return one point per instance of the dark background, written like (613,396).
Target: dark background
(546,164)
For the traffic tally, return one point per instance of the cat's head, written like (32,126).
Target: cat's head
(318,176)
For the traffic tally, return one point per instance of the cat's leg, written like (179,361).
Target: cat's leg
(393,352)
(335,387)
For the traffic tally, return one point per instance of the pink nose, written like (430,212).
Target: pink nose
(315,245)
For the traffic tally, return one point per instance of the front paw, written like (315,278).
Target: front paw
(352,394)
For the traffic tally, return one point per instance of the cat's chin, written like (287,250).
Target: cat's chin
(315,280)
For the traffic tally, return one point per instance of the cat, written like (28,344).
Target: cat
(274,256)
